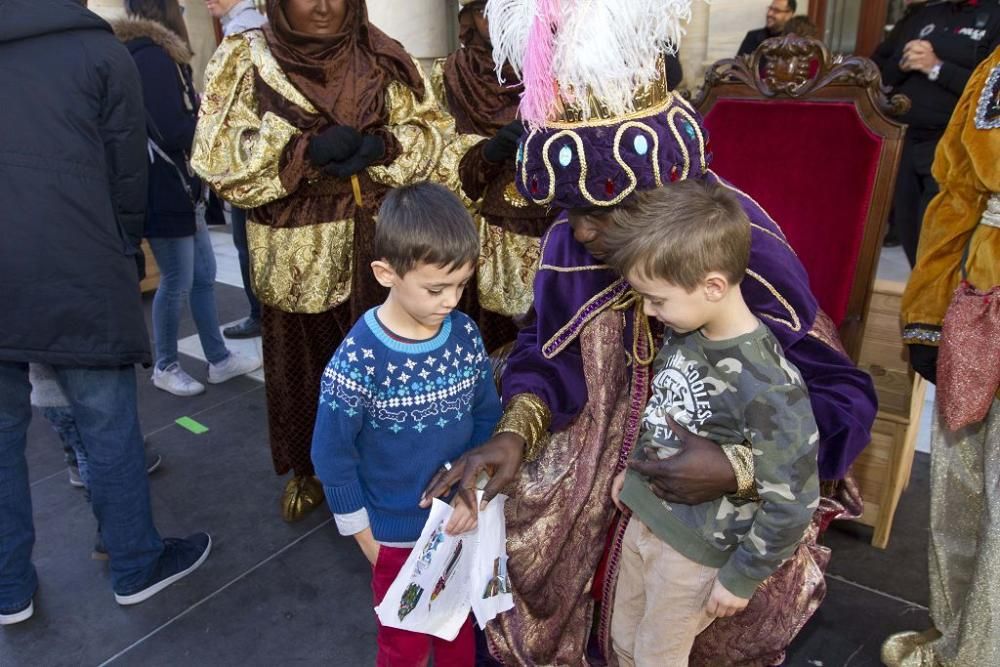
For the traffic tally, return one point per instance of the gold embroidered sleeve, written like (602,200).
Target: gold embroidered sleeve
(421,129)
(527,415)
(741,458)
(237,151)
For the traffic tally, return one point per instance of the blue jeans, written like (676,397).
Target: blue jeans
(187,273)
(104,404)
(64,424)
(239,219)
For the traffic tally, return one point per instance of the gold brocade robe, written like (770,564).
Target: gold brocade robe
(302,231)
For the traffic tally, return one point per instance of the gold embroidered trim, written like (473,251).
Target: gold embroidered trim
(579,320)
(507,265)
(302,269)
(680,144)
(741,459)
(794,324)
(527,416)
(656,147)
(564,269)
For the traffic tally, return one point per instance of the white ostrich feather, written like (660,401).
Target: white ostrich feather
(611,47)
(510,24)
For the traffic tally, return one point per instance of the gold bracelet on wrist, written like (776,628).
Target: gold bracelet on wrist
(527,416)
(741,459)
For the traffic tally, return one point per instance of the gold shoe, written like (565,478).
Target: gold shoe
(302,495)
(910,649)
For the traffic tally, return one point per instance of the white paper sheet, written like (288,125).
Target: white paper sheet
(446,575)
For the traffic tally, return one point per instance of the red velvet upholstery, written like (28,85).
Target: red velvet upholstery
(812,166)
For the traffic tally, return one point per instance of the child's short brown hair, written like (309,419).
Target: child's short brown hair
(680,233)
(425,223)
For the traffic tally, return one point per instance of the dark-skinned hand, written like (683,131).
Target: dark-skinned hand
(372,149)
(698,473)
(500,456)
(334,144)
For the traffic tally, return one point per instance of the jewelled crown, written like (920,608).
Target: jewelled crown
(601,120)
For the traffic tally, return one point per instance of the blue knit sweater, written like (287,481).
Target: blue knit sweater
(391,413)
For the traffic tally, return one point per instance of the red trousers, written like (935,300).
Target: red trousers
(402,648)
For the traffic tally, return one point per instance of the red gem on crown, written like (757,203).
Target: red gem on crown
(674,174)
(609,187)
(534,186)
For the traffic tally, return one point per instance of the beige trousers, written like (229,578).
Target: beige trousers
(659,603)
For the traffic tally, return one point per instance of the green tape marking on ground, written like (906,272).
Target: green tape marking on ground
(195,427)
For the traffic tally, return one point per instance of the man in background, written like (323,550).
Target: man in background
(778,13)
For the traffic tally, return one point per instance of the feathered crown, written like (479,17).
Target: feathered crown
(585,59)
(602,123)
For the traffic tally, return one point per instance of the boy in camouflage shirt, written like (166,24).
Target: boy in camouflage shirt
(721,374)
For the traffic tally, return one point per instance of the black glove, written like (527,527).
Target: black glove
(334,144)
(372,149)
(924,358)
(503,146)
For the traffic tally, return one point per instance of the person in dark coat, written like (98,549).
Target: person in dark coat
(176,224)
(933,54)
(73,185)
(778,13)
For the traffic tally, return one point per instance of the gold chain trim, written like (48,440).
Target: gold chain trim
(741,459)
(794,324)
(526,415)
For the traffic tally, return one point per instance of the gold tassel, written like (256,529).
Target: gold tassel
(633,299)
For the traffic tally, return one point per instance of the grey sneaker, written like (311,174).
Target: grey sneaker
(234,365)
(174,380)
(248,328)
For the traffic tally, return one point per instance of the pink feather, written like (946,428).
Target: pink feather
(540,96)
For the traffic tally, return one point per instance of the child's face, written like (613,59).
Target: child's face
(428,293)
(674,306)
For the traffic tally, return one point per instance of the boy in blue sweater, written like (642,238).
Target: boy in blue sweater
(409,390)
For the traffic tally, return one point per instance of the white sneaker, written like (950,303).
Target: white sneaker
(174,380)
(232,366)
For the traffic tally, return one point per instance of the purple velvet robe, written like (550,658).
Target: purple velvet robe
(546,357)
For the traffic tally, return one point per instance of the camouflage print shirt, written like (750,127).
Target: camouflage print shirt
(737,390)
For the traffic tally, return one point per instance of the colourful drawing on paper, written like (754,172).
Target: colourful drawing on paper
(427,553)
(448,571)
(410,599)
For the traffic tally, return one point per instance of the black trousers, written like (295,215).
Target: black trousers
(239,220)
(915,187)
